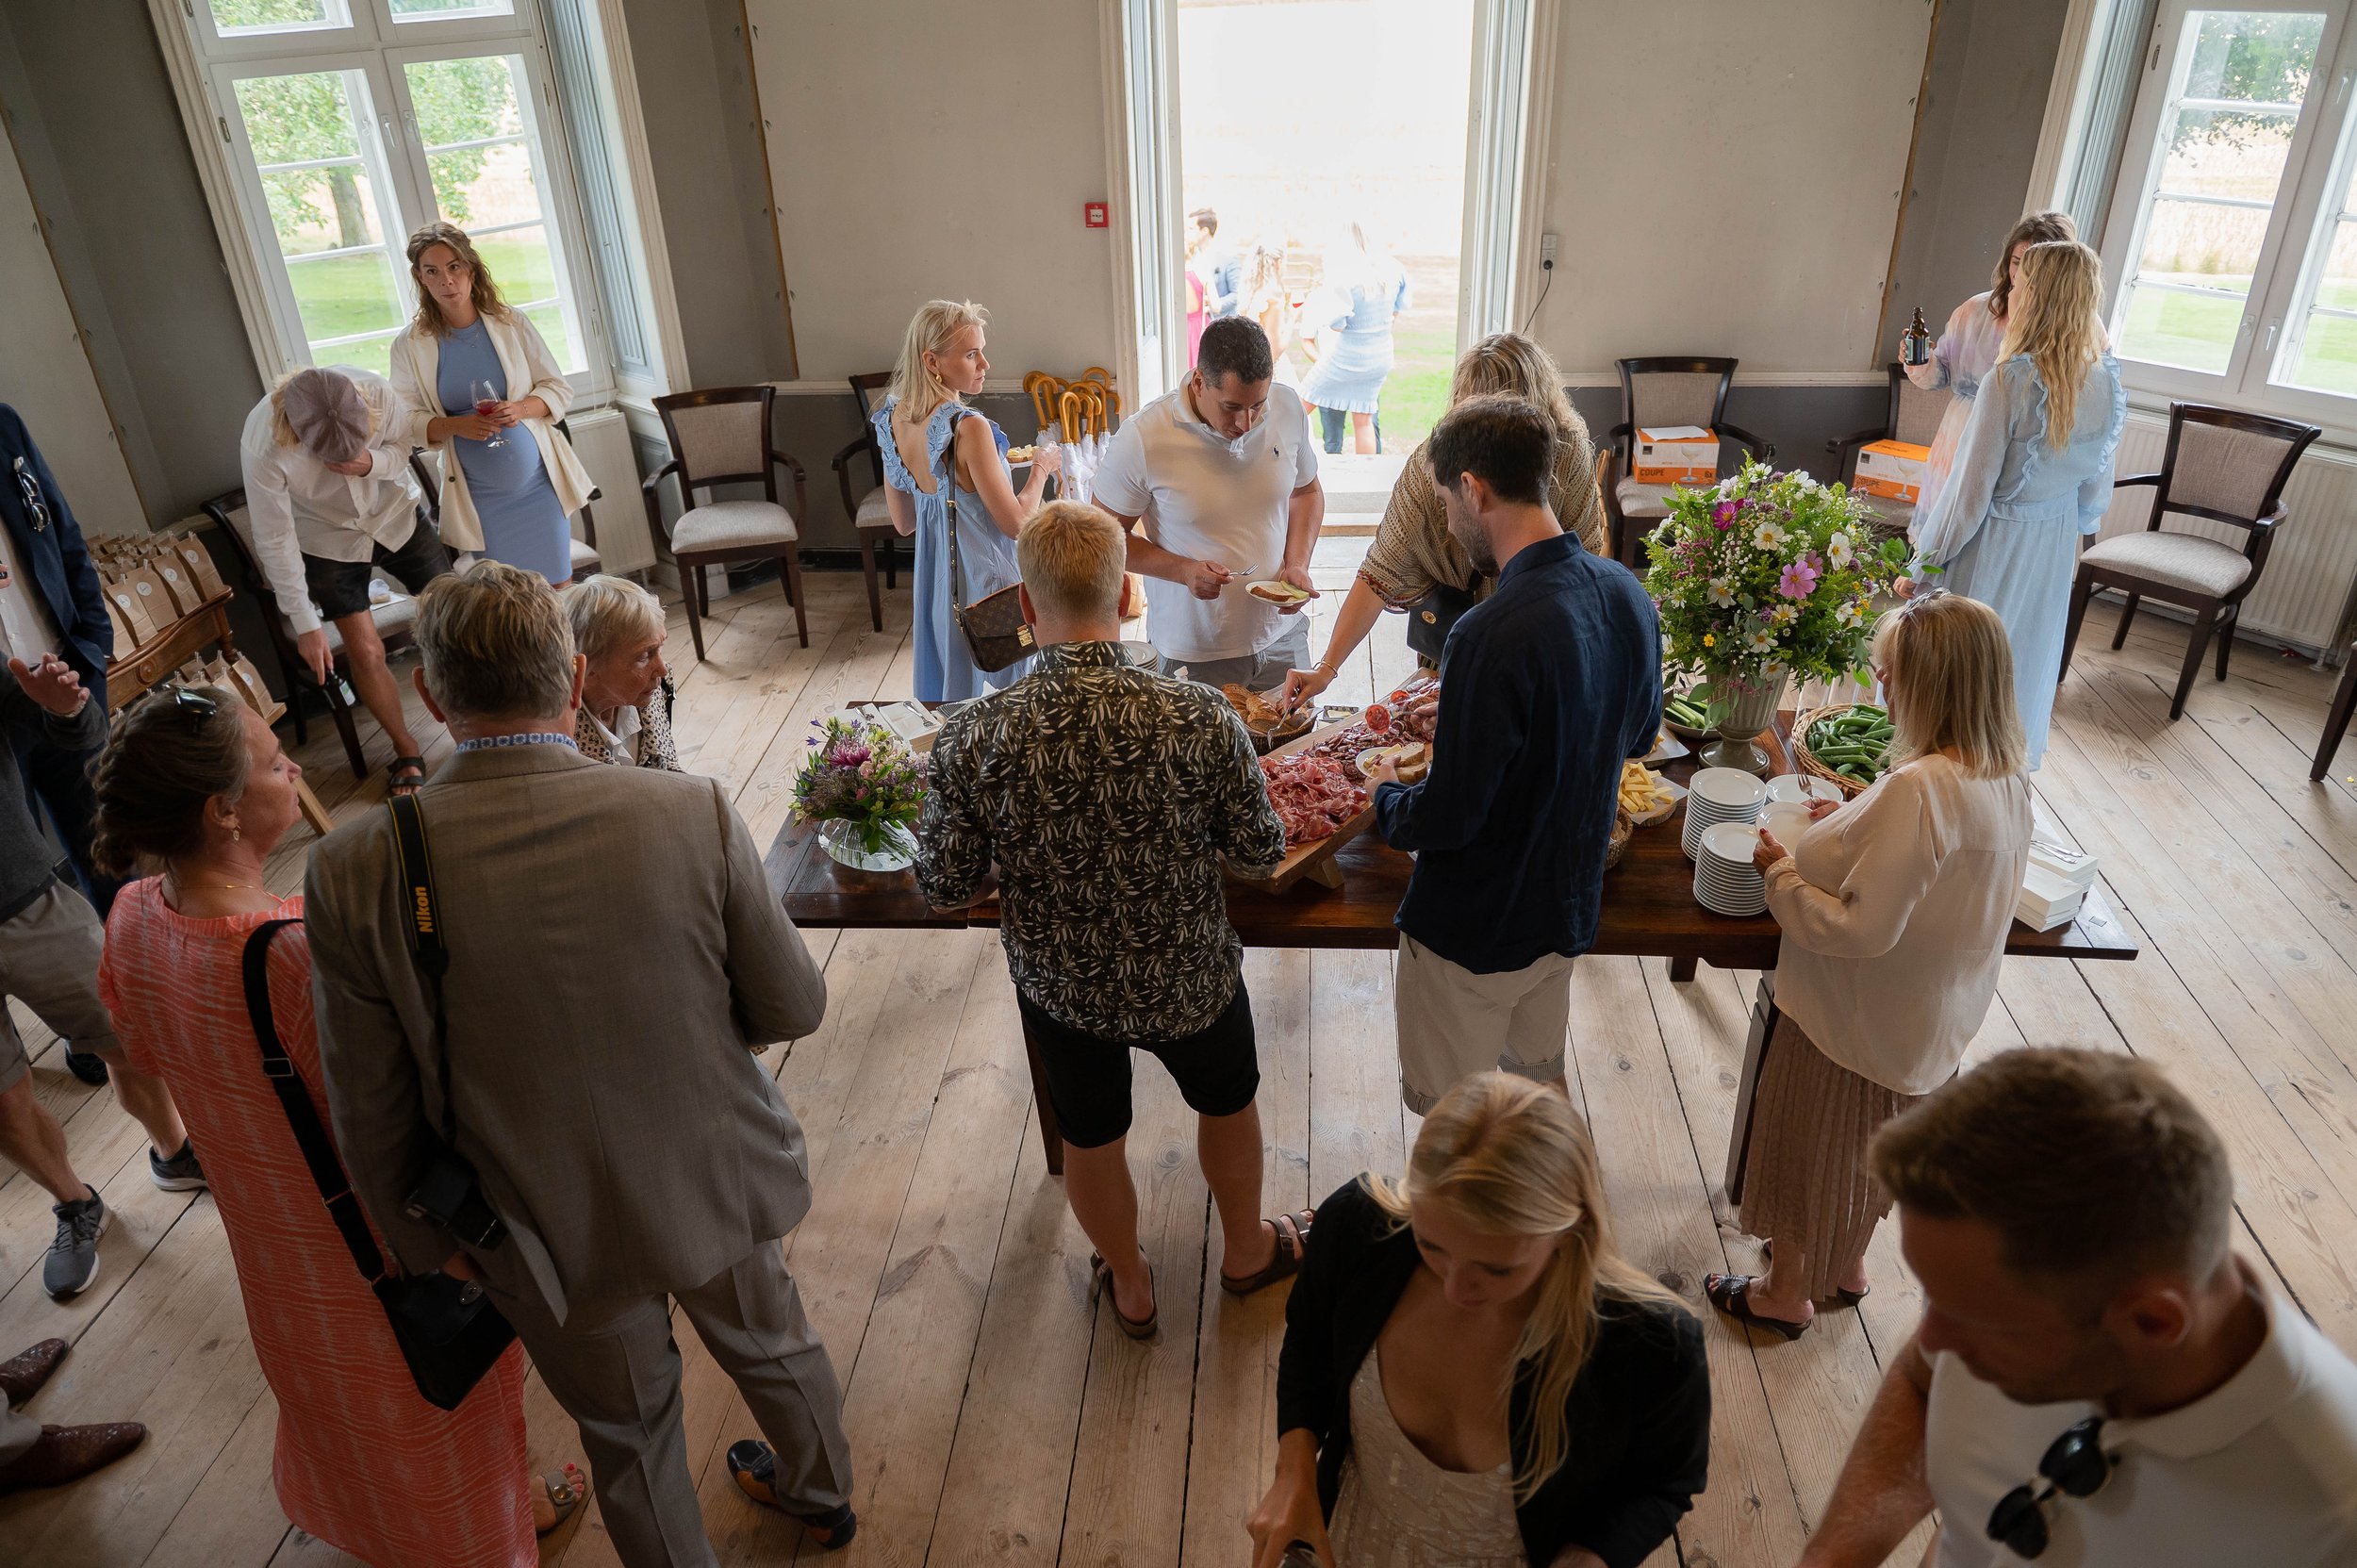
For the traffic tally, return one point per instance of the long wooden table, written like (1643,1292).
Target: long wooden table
(1649,910)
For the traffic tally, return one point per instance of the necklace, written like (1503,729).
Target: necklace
(180,882)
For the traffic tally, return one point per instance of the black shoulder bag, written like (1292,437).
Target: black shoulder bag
(1429,619)
(995,629)
(448,1331)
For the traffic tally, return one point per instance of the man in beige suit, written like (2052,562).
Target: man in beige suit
(615,958)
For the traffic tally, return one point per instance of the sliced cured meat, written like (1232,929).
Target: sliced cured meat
(1313,795)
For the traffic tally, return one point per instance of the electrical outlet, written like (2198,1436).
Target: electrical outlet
(1546,250)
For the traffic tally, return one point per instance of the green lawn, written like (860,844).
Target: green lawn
(352,293)
(2189,330)
(1416,393)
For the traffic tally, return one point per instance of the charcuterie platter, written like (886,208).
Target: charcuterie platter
(1317,781)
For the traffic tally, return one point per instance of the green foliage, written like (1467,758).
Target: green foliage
(2247,56)
(237,15)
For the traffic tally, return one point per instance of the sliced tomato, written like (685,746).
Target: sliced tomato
(1378,718)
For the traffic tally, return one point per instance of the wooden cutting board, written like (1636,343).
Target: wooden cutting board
(1310,861)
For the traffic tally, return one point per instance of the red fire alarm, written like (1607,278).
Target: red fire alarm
(1093,214)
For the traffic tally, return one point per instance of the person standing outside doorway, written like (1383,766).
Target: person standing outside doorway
(1545,686)
(1224,476)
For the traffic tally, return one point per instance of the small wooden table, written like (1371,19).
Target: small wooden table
(1648,911)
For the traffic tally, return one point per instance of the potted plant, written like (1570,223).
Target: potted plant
(1760,578)
(863,786)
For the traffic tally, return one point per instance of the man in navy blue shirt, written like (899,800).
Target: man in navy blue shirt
(1546,687)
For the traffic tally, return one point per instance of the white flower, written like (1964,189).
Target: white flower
(1758,641)
(1768,536)
(1782,615)
(1838,551)
(1852,613)
(1722,592)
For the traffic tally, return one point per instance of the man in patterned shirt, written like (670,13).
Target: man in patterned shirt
(1107,794)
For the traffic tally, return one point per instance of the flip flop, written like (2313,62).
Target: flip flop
(565,1489)
(404,776)
(1848,1298)
(1101,1281)
(754,1464)
(1293,1238)
(1731,1294)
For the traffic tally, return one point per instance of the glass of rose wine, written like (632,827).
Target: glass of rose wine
(486,403)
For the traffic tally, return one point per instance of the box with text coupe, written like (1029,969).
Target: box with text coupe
(1891,470)
(1676,454)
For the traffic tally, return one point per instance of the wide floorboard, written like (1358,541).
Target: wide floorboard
(996,1416)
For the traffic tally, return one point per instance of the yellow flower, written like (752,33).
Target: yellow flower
(1709,642)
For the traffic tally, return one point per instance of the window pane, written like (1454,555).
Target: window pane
(443,10)
(2252,57)
(2328,347)
(466,100)
(252,18)
(340,295)
(370,354)
(550,319)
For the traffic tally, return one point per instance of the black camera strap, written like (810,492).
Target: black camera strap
(425,936)
(318,1150)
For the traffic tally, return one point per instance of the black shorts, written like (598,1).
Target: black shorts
(341,587)
(1217,1068)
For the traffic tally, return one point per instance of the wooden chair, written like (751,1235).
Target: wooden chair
(2230,468)
(2336,721)
(1657,392)
(393,621)
(721,437)
(1914,416)
(584,560)
(869,515)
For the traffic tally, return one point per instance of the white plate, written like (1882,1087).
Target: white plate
(1732,841)
(1802,787)
(1667,748)
(1675,790)
(1787,819)
(1293,595)
(1729,788)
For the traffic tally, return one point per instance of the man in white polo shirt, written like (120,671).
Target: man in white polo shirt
(2098,1378)
(1224,475)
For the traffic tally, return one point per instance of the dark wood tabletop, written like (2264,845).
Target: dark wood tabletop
(1649,908)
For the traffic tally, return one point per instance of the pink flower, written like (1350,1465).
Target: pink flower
(1723,514)
(1799,580)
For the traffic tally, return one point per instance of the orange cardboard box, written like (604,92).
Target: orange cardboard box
(1678,455)
(1891,470)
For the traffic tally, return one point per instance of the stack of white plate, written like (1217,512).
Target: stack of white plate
(1725,882)
(1718,794)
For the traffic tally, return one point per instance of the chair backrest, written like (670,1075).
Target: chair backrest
(1675,390)
(423,471)
(874,381)
(1915,414)
(2226,465)
(230,515)
(720,435)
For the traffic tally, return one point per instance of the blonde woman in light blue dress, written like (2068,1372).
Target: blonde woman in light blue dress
(2034,472)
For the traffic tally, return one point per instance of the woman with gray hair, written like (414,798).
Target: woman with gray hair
(626,692)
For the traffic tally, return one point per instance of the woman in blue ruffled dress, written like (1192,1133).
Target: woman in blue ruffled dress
(1968,349)
(1351,315)
(2033,471)
(941,366)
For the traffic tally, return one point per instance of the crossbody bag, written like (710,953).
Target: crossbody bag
(448,1332)
(1431,617)
(995,633)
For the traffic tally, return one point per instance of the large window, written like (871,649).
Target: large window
(352,122)
(2233,239)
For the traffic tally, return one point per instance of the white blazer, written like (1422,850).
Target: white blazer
(531,372)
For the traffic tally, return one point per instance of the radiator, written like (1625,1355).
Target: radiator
(2303,597)
(602,439)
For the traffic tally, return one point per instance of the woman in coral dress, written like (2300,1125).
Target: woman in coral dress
(193,779)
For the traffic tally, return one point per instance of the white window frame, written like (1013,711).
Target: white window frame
(202,63)
(2290,254)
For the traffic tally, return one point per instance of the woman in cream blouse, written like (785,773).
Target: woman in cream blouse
(509,477)
(1894,909)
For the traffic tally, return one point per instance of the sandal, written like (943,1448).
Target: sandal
(404,776)
(1101,1281)
(565,1488)
(1731,1294)
(1292,1239)
(1848,1298)
(754,1464)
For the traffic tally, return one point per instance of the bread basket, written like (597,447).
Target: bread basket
(1624,828)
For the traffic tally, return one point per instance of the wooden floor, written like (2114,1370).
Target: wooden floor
(997,1418)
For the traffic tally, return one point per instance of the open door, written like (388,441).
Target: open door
(1148,168)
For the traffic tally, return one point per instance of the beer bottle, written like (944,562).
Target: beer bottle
(1916,347)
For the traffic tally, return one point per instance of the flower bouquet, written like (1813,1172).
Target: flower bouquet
(863,785)
(1760,578)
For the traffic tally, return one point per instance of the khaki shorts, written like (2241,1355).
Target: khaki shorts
(49,961)
(1453,1023)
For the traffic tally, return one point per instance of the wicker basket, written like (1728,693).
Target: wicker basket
(1624,828)
(1807,759)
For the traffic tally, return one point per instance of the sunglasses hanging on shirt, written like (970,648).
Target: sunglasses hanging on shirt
(36,510)
(2075,1465)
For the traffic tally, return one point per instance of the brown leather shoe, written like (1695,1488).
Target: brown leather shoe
(22,1374)
(63,1454)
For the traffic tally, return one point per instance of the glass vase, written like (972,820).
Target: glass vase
(846,842)
(1749,712)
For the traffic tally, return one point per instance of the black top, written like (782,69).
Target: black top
(1639,1414)
(1546,687)
(50,551)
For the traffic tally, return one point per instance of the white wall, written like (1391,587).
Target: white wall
(45,375)
(1726,179)
(927,149)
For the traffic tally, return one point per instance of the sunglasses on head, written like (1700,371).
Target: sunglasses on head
(2075,1465)
(36,510)
(193,705)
